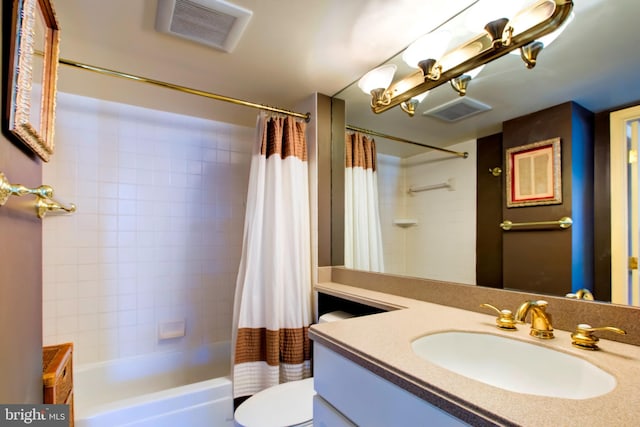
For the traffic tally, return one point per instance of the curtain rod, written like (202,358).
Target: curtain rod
(395,138)
(184,89)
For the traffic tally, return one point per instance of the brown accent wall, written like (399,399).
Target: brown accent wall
(602,208)
(20,271)
(324,180)
(338,125)
(550,260)
(489,212)
(20,284)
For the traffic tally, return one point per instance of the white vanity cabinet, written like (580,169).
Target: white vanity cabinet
(350,395)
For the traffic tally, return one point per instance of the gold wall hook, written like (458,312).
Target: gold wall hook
(44,194)
(497,171)
(48,205)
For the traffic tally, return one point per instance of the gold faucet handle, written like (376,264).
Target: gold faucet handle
(583,336)
(505,319)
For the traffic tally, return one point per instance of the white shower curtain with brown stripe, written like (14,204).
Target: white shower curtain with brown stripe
(272,309)
(362,232)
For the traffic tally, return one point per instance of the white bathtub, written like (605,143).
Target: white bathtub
(163,389)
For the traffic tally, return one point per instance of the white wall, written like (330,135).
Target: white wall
(158,232)
(442,245)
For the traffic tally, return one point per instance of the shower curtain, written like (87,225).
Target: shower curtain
(362,232)
(272,308)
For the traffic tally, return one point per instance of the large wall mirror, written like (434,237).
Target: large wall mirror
(587,72)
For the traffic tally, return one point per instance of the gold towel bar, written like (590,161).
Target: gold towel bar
(564,222)
(44,194)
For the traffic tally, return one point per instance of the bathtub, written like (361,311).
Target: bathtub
(186,388)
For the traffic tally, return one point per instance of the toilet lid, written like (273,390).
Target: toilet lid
(286,404)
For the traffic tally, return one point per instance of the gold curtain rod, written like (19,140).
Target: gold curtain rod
(395,138)
(184,89)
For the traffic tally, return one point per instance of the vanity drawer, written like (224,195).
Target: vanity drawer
(57,375)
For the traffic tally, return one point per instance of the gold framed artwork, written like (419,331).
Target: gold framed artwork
(30,97)
(534,174)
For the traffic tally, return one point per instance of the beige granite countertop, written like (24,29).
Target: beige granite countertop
(382,344)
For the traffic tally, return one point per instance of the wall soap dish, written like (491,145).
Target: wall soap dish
(405,222)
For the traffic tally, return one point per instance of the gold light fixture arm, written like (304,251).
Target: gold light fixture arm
(460,84)
(44,194)
(380,97)
(529,53)
(409,107)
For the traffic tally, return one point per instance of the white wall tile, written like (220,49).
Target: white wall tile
(442,244)
(160,201)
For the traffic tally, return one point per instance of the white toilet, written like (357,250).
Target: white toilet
(285,405)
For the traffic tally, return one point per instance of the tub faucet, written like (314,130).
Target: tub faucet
(540,319)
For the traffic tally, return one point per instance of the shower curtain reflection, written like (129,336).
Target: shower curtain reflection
(272,310)
(363,236)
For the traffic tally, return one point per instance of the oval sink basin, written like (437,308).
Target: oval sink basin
(514,365)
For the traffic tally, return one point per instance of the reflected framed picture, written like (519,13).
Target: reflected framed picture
(33,50)
(534,174)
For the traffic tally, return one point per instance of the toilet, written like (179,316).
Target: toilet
(284,405)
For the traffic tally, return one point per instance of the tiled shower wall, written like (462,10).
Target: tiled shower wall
(158,231)
(442,244)
(392,204)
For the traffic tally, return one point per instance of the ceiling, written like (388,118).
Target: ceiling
(290,50)
(293,48)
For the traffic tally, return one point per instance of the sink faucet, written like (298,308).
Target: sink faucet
(581,294)
(540,319)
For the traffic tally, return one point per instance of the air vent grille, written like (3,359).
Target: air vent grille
(458,109)
(214,23)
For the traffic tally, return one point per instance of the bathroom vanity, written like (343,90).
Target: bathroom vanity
(367,373)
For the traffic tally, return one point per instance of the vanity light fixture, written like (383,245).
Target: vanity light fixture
(460,83)
(376,82)
(529,53)
(438,66)
(409,106)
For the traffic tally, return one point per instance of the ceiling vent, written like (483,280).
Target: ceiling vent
(457,109)
(214,23)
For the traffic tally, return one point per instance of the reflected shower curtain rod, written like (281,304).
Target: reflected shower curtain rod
(184,89)
(395,138)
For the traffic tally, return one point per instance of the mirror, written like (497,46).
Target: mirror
(33,48)
(582,65)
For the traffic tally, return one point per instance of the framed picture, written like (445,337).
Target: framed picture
(534,174)
(33,51)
